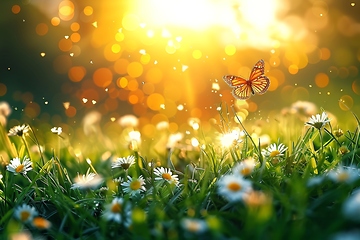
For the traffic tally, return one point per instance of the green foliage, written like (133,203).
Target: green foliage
(293,195)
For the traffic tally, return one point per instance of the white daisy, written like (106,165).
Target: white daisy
(344,174)
(165,174)
(128,121)
(351,207)
(274,150)
(114,210)
(25,213)
(56,130)
(125,163)
(16,166)
(233,187)
(197,226)
(244,167)
(87,181)
(19,130)
(318,121)
(134,185)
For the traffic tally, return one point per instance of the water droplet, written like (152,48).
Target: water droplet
(93,102)
(42,54)
(66,37)
(84,100)
(352,4)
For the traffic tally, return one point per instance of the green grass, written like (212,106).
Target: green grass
(287,204)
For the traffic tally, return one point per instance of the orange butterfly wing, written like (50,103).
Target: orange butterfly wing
(242,89)
(257,83)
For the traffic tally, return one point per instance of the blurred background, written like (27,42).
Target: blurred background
(163,60)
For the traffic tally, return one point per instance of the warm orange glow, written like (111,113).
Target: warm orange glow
(15,9)
(75,26)
(66,10)
(71,111)
(55,21)
(325,53)
(75,37)
(65,45)
(154,75)
(102,77)
(76,73)
(154,101)
(120,66)
(346,102)
(321,80)
(3,89)
(135,69)
(88,10)
(41,29)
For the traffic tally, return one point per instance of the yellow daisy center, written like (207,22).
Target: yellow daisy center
(166,176)
(116,208)
(24,215)
(125,165)
(193,227)
(135,185)
(343,176)
(19,168)
(41,223)
(234,186)
(245,171)
(274,153)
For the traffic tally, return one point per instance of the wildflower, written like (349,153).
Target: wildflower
(344,174)
(87,181)
(315,181)
(350,235)
(56,130)
(351,207)
(338,132)
(163,125)
(303,108)
(134,185)
(174,139)
(114,210)
(257,199)
(344,149)
(19,130)
(165,174)
(274,150)
(90,122)
(233,187)
(230,139)
(125,163)
(128,121)
(41,223)
(25,213)
(134,139)
(5,111)
(318,121)
(244,167)
(16,166)
(264,140)
(197,226)
(118,181)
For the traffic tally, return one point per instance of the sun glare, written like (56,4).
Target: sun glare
(206,13)
(247,21)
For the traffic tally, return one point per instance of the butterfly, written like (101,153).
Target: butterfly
(257,82)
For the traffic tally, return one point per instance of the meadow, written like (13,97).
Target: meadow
(294,178)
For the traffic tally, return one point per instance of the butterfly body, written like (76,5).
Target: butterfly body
(244,88)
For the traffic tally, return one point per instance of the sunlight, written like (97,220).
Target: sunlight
(207,13)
